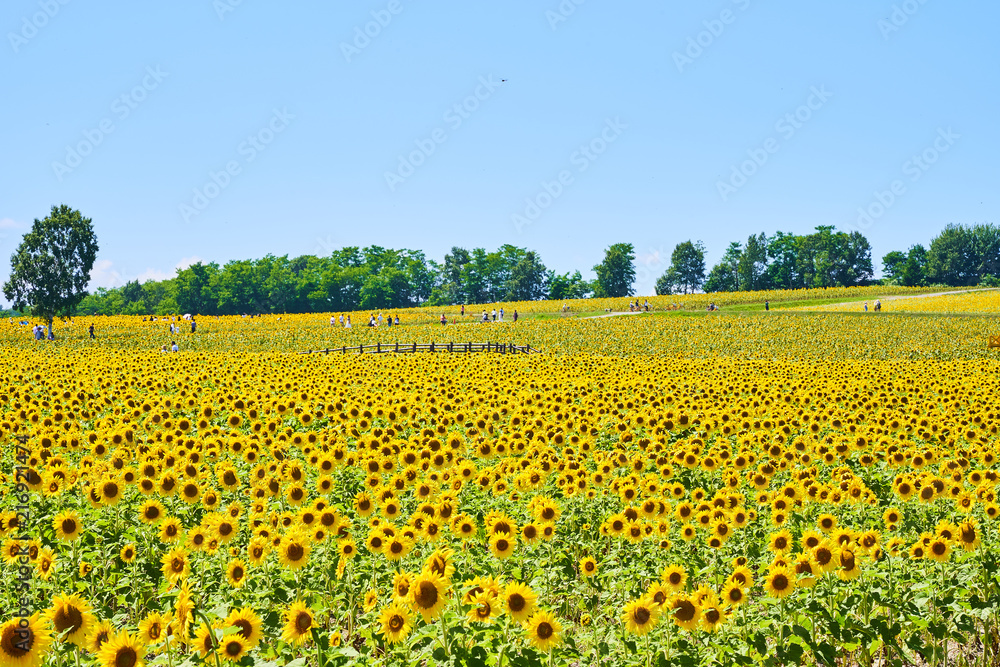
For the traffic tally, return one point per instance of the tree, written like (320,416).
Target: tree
(724,276)
(568,286)
(687,269)
(616,274)
(892,266)
(951,257)
(907,268)
(51,268)
(527,279)
(753,263)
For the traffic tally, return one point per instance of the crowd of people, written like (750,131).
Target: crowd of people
(378,320)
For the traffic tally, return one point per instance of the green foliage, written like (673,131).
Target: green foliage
(962,255)
(51,268)
(687,269)
(616,274)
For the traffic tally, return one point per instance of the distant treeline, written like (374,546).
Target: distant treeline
(382,278)
(357,279)
(958,256)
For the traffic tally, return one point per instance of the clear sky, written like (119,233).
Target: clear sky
(132,112)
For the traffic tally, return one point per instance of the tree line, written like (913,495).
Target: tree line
(958,256)
(51,269)
(372,278)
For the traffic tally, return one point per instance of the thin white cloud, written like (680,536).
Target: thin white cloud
(187,261)
(105,274)
(9,223)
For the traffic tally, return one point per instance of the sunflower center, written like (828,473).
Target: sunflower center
(69,526)
(303,622)
(939,548)
(516,602)
(68,617)
(780,582)
(396,623)
(12,644)
(427,595)
(245,628)
(237,573)
(295,552)
(396,547)
(544,630)
(126,657)
(674,579)
(684,611)
(642,616)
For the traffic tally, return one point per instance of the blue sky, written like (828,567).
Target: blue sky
(227,129)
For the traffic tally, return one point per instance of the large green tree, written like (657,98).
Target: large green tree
(51,268)
(687,269)
(616,274)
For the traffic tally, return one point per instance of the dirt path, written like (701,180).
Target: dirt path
(896,297)
(598,317)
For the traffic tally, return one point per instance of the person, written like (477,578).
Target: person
(171,328)
(463,310)
(878,305)
(173,346)
(371,321)
(486,317)
(388,321)
(501,314)
(348,325)
(494,314)
(192,325)
(341,319)
(397,321)
(645,305)
(515,316)
(92,336)
(380,319)
(333,320)
(444,320)
(866,306)
(767,305)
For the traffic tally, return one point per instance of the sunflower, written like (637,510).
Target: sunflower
(968,535)
(640,616)
(826,522)
(780,542)
(543,631)
(298,623)
(45,565)
(170,530)
(588,566)
(733,595)
(249,624)
(823,556)
(780,582)
(939,550)
(484,607)
(518,601)
(502,545)
(236,573)
(122,650)
(396,622)
(294,553)
(674,577)
(175,565)
(428,595)
(67,526)
(712,616)
(70,614)
(685,612)
(24,646)
(99,634)
(397,547)
(154,627)
(232,647)
(184,611)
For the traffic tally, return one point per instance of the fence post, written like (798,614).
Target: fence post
(378,347)
(432,346)
(397,346)
(414,348)
(449,346)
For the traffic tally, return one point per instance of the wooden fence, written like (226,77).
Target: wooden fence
(411,348)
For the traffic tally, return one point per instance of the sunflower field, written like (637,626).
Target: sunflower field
(650,490)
